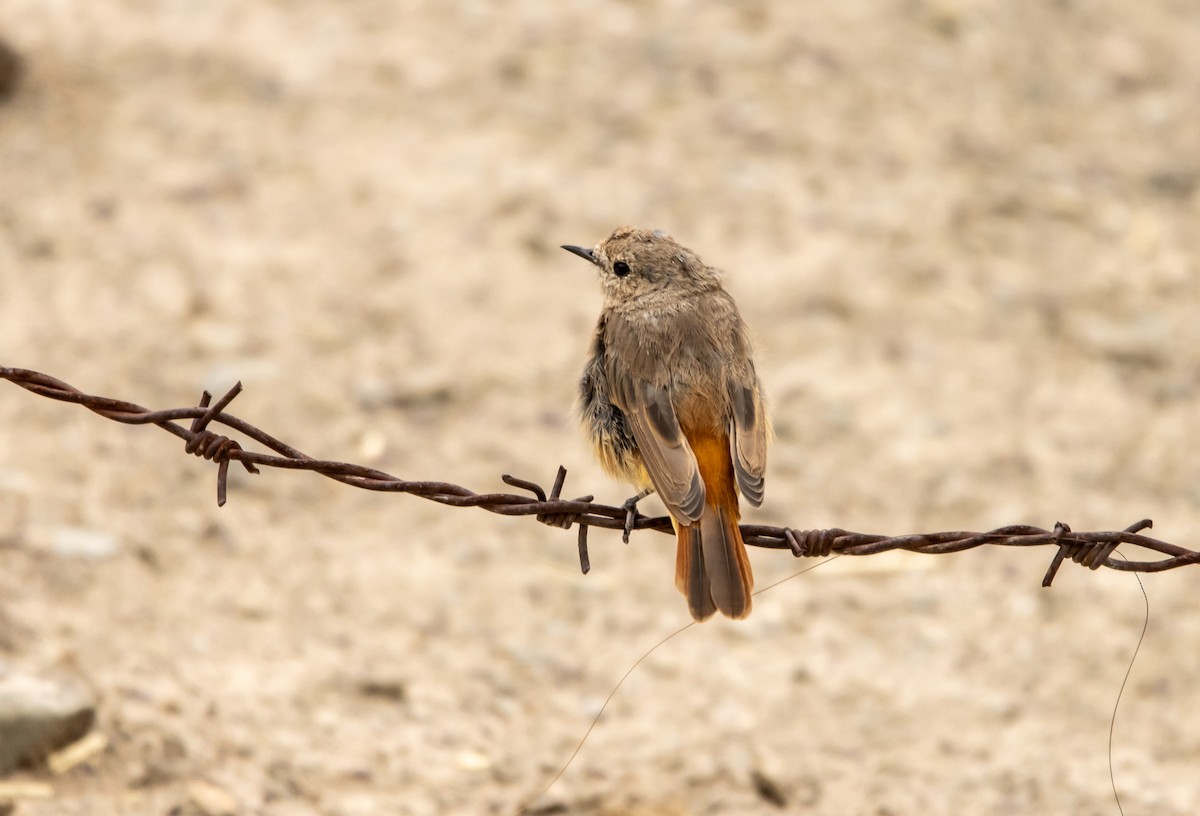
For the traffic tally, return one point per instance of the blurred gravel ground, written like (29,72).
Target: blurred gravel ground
(965,233)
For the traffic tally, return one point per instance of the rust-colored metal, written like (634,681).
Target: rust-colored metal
(1090,549)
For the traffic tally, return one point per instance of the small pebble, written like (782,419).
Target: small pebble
(39,715)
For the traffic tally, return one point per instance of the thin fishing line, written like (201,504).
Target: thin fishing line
(1112,724)
(525,808)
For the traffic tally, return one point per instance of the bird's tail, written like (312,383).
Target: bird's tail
(711,565)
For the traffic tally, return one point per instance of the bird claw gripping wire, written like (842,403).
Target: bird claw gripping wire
(810,543)
(213,446)
(561,520)
(631,513)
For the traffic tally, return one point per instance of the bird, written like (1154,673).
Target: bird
(671,402)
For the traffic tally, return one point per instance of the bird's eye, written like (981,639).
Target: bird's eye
(620,269)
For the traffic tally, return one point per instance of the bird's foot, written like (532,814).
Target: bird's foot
(631,512)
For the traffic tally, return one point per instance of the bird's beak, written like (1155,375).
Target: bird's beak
(586,254)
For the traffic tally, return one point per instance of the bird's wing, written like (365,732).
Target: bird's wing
(748,440)
(665,450)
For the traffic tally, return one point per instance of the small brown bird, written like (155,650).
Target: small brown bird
(671,401)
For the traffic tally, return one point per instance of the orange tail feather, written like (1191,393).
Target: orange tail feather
(711,565)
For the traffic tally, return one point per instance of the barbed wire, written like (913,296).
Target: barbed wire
(1090,549)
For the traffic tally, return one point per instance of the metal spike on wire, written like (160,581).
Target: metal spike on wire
(1090,549)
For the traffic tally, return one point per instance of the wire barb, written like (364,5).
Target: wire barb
(1090,549)
(212,446)
(1060,530)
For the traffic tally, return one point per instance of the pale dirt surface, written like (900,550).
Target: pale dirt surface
(965,233)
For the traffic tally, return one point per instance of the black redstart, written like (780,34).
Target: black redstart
(671,402)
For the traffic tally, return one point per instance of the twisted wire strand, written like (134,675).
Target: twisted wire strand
(1090,549)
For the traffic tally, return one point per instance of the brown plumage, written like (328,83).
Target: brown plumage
(671,401)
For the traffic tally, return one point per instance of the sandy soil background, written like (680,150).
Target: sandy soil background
(965,233)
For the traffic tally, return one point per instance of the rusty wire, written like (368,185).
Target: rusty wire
(1090,549)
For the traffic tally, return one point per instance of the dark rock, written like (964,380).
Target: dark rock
(383,688)
(11,70)
(768,788)
(38,715)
